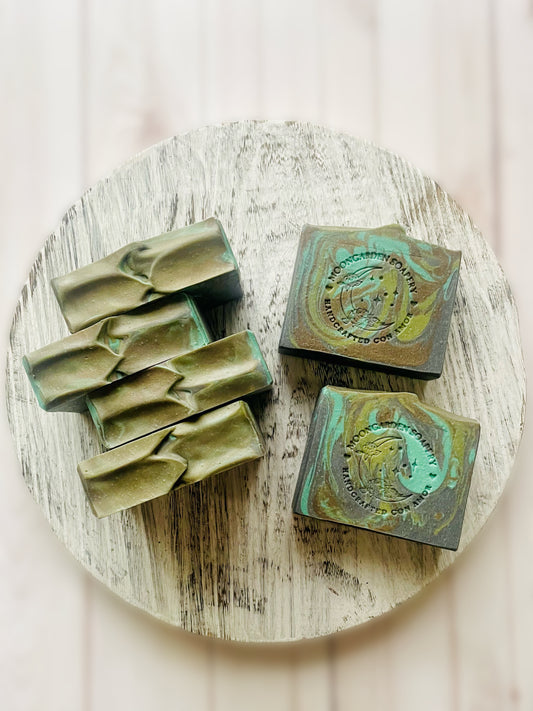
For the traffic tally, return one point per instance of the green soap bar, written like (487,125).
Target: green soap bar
(211,376)
(64,372)
(171,458)
(197,258)
(373,298)
(389,463)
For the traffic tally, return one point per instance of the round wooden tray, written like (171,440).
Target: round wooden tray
(227,557)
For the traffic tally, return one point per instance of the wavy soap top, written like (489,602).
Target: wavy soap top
(154,465)
(180,387)
(64,372)
(196,258)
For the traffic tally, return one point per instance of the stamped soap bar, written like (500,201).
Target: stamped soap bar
(62,373)
(373,298)
(171,458)
(197,258)
(389,463)
(211,376)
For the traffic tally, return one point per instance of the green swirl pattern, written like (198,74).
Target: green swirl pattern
(376,297)
(389,463)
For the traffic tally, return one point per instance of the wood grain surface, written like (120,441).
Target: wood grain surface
(86,84)
(227,557)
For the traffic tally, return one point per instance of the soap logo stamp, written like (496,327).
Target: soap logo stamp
(369,297)
(391,468)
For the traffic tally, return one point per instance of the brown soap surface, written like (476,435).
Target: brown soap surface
(196,258)
(208,377)
(389,463)
(373,298)
(64,372)
(171,458)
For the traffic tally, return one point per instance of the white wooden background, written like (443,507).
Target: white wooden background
(86,83)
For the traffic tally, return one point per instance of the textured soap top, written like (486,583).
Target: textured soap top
(220,372)
(154,465)
(389,463)
(197,258)
(62,373)
(371,297)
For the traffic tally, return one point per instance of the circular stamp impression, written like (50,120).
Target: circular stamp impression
(391,468)
(370,297)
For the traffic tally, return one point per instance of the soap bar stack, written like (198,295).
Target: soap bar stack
(141,358)
(64,372)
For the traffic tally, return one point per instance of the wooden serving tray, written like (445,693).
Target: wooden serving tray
(227,557)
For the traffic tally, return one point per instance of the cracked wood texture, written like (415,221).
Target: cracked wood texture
(227,557)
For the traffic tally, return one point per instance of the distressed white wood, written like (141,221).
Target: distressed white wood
(513,51)
(297,676)
(406,78)
(43,589)
(399,657)
(227,557)
(291,56)
(173,45)
(232,86)
(439,69)
(348,67)
(133,51)
(135,660)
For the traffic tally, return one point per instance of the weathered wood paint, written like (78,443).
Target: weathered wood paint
(227,557)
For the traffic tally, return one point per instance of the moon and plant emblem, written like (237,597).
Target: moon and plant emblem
(381,462)
(368,299)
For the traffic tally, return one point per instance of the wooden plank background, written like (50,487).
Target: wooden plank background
(86,83)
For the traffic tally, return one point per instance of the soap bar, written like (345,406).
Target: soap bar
(197,258)
(64,372)
(389,463)
(372,298)
(211,376)
(171,458)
